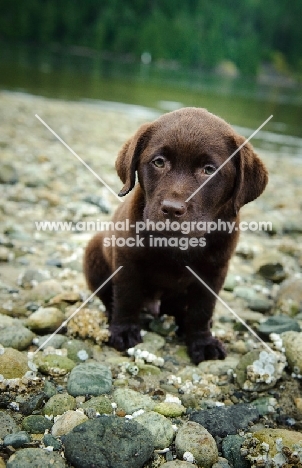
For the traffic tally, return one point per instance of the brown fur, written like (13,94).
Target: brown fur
(187,140)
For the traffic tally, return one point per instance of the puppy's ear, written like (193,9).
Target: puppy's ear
(128,157)
(251,175)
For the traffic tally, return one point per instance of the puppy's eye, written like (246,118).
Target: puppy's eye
(209,170)
(159,162)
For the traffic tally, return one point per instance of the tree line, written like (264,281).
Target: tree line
(194,33)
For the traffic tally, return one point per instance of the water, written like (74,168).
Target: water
(80,74)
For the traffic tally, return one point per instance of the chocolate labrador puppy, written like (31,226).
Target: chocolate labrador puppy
(173,156)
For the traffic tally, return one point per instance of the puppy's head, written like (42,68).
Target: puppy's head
(179,153)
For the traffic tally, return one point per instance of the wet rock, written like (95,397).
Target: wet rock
(131,401)
(53,364)
(8,174)
(258,371)
(289,298)
(112,442)
(159,426)
(231,446)
(90,378)
(49,389)
(13,364)
(36,424)
(34,457)
(278,324)
(192,437)
(67,422)
(7,425)
(33,403)
(100,404)
(50,441)
(17,440)
(58,404)
(292,342)
(16,336)
(45,319)
(271,266)
(260,304)
(219,367)
(222,421)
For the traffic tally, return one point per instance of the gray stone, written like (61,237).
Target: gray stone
(7,425)
(35,458)
(177,464)
(159,426)
(33,403)
(8,174)
(260,304)
(278,324)
(292,342)
(219,367)
(77,350)
(56,341)
(36,424)
(50,441)
(16,336)
(90,378)
(108,442)
(59,403)
(13,364)
(271,267)
(129,400)
(30,277)
(46,319)
(222,421)
(101,404)
(194,438)
(53,364)
(289,298)
(222,463)
(231,451)
(69,420)
(17,440)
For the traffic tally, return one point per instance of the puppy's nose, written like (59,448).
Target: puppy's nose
(173,209)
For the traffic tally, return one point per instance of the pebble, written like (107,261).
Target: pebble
(271,267)
(222,463)
(49,388)
(13,364)
(17,439)
(35,457)
(31,277)
(289,297)
(90,378)
(112,442)
(8,174)
(65,423)
(131,401)
(278,324)
(50,441)
(56,341)
(59,403)
(231,446)
(36,424)
(292,342)
(7,425)
(53,364)
(77,350)
(177,464)
(194,438)
(218,367)
(170,409)
(33,403)
(16,336)
(44,291)
(159,426)
(222,421)
(100,404)
(45,319)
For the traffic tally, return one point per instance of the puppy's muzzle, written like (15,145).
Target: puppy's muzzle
(173,209)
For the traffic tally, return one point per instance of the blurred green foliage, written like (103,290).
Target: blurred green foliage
(194,33)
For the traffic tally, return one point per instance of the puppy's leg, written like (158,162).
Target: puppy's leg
(200,341)
(97,270)
(128,301)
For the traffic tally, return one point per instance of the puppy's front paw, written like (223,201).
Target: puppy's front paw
(206,348)
(124,336)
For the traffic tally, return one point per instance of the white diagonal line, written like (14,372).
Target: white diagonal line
(79,158)
(232,311)
(227,160)
(76,311)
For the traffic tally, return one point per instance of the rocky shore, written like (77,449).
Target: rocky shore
(76,402)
